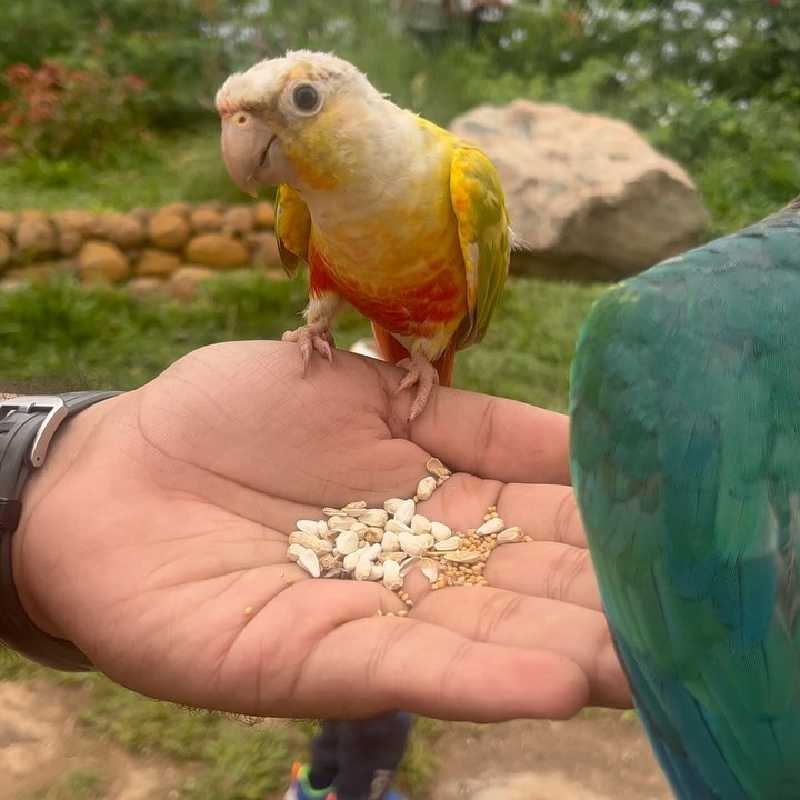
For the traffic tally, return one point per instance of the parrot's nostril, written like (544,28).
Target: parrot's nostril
(241,119)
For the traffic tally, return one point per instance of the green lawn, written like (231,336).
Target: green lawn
(160,170)
(60,336)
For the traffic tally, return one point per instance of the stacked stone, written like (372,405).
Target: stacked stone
(173,248)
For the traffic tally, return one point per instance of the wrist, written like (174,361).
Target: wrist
(41,439)
(43,511)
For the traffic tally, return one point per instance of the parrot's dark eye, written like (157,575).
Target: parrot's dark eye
(305,97)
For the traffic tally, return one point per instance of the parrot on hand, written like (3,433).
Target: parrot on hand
(685,452)
(393,214)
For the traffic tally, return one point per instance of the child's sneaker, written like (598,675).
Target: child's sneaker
(301,789)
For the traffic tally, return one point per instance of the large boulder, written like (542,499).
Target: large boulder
(588,196)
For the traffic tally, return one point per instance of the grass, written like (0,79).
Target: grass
(161,169)
(62,337)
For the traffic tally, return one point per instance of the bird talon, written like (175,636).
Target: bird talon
(423,375)
(311,338)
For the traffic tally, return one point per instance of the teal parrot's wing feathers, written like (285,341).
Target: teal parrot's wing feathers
(479,205)
(685,445)
(292,228)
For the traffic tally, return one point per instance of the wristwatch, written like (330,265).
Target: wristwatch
(27,427)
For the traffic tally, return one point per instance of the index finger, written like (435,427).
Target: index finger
(495,438)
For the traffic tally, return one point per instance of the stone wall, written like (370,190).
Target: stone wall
(171,248)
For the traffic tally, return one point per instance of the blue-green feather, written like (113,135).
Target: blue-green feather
(685,446)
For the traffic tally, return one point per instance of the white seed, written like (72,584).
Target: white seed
(427,538)
(308,526)
(435,467)
(374,517)
(430,569)
(509,535)
(453,543)
(363,569)
(334,572)
(440,531)
(294,552)
(391,575)
(309,562)
(322,528)
(425,488)
(397,527)
(405,511)
(407,563)
(347,542)
(356,505)
(493,525)
(341,523)
(359,527)
(464,556)
(395,555)
(351,560)
(332,512)
(376,573)
(390,541)
(413,545)
(310,542)
(420,524)
(391,505)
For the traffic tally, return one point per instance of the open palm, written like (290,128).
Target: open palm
(155,539)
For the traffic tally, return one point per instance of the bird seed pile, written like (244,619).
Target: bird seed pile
(383,544)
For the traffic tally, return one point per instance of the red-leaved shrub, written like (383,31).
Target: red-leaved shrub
(54,111)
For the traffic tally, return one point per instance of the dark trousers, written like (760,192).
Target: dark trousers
(359,757)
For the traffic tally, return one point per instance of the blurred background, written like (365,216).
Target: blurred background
(624,132)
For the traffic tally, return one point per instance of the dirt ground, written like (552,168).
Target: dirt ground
(599,756)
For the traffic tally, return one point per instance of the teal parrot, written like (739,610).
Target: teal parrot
(685,455)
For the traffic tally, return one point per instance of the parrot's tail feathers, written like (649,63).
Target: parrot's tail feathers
(388,347)
(444,366)
(391,350)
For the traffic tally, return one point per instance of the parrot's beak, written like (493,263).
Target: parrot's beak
(246,146)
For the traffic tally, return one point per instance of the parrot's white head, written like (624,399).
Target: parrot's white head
(303,120)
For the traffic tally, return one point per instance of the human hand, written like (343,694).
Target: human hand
(155,539)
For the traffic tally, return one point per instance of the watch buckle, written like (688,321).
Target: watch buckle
(56,412)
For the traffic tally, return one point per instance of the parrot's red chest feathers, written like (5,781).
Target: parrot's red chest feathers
(418,309)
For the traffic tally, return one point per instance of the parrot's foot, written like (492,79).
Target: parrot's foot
(423,375)
(315,336)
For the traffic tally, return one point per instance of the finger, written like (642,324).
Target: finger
(545,512)
(545,569)
(495,438)
(505,618)
(457,679)
(320,649)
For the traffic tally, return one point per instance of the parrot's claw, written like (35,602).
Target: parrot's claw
(423,375)
(310,338)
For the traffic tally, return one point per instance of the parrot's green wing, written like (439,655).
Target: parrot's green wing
(292,228)
(685,442)
(478,203)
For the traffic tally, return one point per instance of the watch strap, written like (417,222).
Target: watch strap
(25,433)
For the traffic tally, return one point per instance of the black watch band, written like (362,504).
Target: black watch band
(27,425)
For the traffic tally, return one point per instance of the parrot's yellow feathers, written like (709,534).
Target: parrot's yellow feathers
(292,228)
(479,206)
